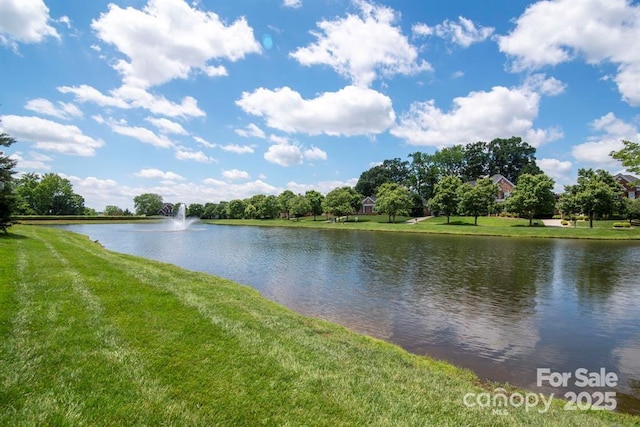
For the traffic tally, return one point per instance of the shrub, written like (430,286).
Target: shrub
(621,225)
(564,222)
(557,217)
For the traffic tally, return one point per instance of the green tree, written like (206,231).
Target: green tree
(629,156)
(476,161)
(450,160)
(284,201)
(446,197)
(221,210)
(596,193)
(393,199)
(112,210)
(392,170)
(633,210)
(8,199)
(511,158)
(476,200)
(235,209)
(195,210)
(49,194)
(315,199)
(423,175)
(250,211)
(300,205)
(342,201)
(533,195)
(148,204)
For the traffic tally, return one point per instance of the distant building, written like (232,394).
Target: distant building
(505,187)
(368,205)
(166,210)
(630,185)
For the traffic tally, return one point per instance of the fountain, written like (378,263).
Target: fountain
(180,222)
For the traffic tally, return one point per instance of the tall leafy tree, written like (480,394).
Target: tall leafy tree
(596,193)
(511,158)
(49,194)
(446,197)
(284,200)
(7,195)
(533,195)
(147,204)
(300,205)
(315,199)
(450,160)
(195,210)
(392,170)
(235,209)
(112,210)
(478,199)
(476,161)
(393,199)
(423,174)
(629,156)
(342,201)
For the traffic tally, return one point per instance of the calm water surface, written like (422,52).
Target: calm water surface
(499,306)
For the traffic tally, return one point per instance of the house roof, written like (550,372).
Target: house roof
(495,178)
(371,198)
(498,177)
(628,178)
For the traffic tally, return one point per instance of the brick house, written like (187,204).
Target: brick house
(630,185)
(505,187)
(368,205)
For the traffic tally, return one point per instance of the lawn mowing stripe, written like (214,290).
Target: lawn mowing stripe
(116,351)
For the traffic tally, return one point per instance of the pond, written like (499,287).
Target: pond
(502,307)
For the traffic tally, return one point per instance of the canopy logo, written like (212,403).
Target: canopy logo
(500,400)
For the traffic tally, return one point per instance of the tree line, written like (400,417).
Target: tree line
(453,180)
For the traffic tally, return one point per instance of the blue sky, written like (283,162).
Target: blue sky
(202,101)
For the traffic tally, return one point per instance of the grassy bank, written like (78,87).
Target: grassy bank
(487,226)
(82,219)
(94,337)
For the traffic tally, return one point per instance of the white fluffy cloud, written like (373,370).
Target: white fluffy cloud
(142,134)
(251,131)
(167,126)
(24,21)
(464,32)
(557,169)
(238,149)
(51,136)
(33,161)
(236,174)
(217,190)
(612,131)
(158,174)
(63,110)
(599,31)
(322,186)
(168,39)
(479,116)
(284,154)
(314,153)
(183,153)
(350,111)
(362,47)
(127,97)
(295,4)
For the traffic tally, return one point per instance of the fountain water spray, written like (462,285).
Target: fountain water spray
(180,220)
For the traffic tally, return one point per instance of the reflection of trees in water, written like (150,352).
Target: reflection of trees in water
(489,275)
(600,268)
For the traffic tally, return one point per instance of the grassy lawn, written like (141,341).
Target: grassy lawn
(487,226)
(92,337)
